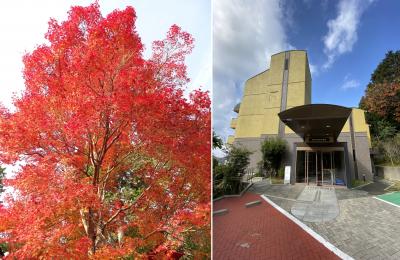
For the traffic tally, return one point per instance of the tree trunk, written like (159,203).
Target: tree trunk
(120,235)
(92,232)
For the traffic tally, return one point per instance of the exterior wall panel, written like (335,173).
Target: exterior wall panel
(262,101)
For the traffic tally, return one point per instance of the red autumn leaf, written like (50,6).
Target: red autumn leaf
(113,152)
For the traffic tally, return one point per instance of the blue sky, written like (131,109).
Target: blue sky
(23,24)
(345,41)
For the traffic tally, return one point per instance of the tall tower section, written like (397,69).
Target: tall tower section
(286,84)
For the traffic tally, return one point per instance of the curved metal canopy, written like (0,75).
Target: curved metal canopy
(316,121)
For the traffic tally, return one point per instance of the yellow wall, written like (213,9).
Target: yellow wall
(346,127)
(233,123)
(308,84)
(297,66)
(276,69)
(230,140)
(261,101)
(359,123)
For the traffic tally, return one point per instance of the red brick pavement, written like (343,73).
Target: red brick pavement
(261,232)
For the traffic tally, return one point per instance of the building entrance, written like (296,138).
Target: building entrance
(321,166)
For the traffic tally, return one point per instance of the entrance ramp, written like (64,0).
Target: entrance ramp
(316,204)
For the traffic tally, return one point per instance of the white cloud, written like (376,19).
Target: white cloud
(349,83)
(342,31)
(204,73)
(245,34)
(313,70)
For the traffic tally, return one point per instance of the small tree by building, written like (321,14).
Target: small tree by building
(273,151)
(391,150)
(217,141)
(227,177)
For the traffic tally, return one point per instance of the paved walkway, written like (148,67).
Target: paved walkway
(260,232)
(365,228)
(316,204)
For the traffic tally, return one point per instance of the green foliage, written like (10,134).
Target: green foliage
(238,159)
(382,127)
(3,247)
(227,178)
(128,189)
(388,70)
(196,245)
(385,130)
(273,151)
(145,249)
(217,141)
(132,232)
(356,183)
(275,180)
(215,162)
(281,172)
(258,174)
(2,175)
(389,150)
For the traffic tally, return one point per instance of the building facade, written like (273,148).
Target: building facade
(327,144)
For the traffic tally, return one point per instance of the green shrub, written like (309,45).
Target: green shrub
(238,159)
(389,151)
(273,151)
(281,172)
(215,162)
(227,178)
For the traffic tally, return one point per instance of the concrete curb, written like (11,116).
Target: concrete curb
(234,195)
(252,203)
(220,212)
(315,235)
(390,186)
(358,187)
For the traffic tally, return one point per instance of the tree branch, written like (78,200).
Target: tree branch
(125,208)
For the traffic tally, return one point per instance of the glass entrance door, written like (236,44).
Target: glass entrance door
(322,166)
(327,169)
(312,167)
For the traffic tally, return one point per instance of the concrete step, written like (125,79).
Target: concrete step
(220,212)
(253,203)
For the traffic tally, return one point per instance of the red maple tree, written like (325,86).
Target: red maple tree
(116,161)
(383,99)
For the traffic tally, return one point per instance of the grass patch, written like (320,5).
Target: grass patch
(356,183)
(275,180)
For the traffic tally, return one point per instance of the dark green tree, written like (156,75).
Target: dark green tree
(217,141)
(227,177)
(273,150)
(238,159)
(382,126)
(388,70)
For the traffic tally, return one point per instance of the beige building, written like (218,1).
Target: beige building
(327,144)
